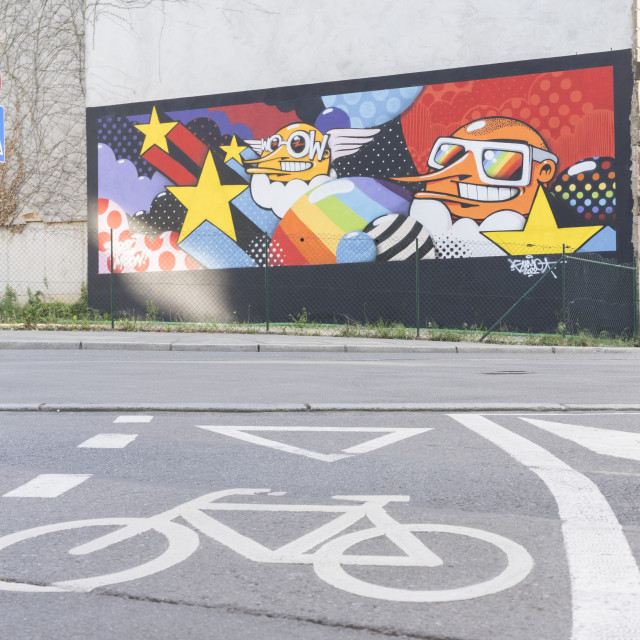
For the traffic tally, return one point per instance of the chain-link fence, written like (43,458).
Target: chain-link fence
(418,281)
(43,264)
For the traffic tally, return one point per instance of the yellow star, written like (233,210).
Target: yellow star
(541,233)
(208,200)
(233,150)
(155,132)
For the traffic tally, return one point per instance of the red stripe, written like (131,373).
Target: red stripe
(188,143)
(170,167)
(289,254)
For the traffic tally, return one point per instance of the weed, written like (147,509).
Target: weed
(300,320)
(445,336)
(152,311)
(9,306)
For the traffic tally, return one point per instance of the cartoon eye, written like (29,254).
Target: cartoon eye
(274,142)
(298,144)
(502,165)
(448,154)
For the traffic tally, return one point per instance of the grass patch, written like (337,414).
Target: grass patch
(38,313)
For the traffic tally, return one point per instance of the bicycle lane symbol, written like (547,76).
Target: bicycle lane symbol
(325,548)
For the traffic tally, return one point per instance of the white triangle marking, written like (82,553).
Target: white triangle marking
(609,442)
(391,435)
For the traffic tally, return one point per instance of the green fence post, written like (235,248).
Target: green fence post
(111,281)
(266,280)
(417,291)
(564,293)
(636,297)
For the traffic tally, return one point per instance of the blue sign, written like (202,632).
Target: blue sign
(1,134)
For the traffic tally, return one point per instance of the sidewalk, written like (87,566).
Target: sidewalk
(236,342)
(266,343)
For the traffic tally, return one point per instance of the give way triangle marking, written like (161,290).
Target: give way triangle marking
(391,435)
(609,442)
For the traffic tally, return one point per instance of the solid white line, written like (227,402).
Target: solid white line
(561,413)
(127,419)
(391,436)
(108,441)
(383,441)
(237,432)
(608,442)
(48,485)
(605,580)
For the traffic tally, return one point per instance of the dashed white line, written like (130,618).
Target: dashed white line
(130,419)
(108,441)
(48,485)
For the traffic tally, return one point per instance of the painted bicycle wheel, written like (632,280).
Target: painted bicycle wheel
(330,560)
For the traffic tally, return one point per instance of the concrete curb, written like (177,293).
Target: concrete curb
(40,344)
(297,347)
(454,407)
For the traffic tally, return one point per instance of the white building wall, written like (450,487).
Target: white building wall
(47,257)
(202,47)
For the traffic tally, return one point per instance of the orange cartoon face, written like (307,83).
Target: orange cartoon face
(486,166)
(296,151)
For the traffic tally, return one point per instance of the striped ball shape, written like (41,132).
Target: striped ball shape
(395,237)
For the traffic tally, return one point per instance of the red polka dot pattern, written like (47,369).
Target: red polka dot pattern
(136,252)
(572,110)
(114,219)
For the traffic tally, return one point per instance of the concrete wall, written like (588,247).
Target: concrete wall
(49,257)
(191,48)
(186,48)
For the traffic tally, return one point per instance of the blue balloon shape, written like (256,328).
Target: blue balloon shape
(356,246)
(332,118)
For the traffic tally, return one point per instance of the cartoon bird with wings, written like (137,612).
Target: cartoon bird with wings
(296,159)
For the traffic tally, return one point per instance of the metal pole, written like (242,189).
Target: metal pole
(111,281)
(636,297)
(417,291)
(564,293)
(266,279)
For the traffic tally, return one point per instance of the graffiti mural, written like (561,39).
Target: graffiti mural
(506,165)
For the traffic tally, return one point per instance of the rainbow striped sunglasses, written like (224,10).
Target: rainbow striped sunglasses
(498,163)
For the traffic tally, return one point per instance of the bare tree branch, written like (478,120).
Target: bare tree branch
(42,63)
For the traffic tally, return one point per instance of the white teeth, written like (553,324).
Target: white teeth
(472,192)
(483,193)
(295,166)
(506,193)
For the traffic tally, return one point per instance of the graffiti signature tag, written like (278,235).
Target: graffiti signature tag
(531,266)
(126,256)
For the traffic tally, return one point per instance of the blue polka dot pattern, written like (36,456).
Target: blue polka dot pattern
(125,142)
(373,108)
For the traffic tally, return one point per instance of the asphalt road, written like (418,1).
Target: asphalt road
(494,527)
(95,377)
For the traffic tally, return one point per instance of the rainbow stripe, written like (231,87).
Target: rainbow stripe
(502,165)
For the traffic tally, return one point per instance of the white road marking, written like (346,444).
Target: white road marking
(609,442)
(127,419)
(605,580)
(391,436)
(48,485)
(564,414)
(108,441)
(328,560)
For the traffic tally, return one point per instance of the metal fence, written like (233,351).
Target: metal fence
(421,282)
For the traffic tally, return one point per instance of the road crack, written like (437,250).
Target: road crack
(234,609)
